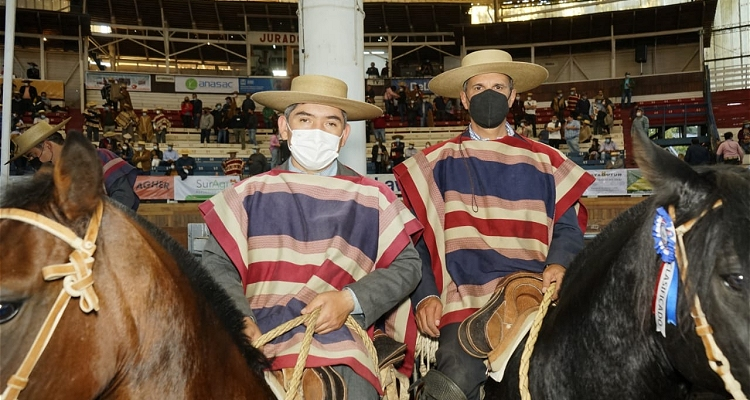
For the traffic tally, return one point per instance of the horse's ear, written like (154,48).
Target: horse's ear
(668,174)
(78,177)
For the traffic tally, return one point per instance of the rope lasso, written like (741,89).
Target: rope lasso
(528,349)
(310,321)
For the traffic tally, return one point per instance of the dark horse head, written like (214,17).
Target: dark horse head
(601,341)
(164,329)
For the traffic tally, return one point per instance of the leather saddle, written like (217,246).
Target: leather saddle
(495,330)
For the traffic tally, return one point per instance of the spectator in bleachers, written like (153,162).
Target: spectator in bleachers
(37,105)
(233,165)
(33,71)
(609,119)
(372,72)
(615,161)
(126,152)
(127,120)
(233,104)
(237,124)
(41,116)
(427,144)
(268,114)
(743,136)
(145,127)
(370,94)
(125,96)
(251,122)
(558,105)
(697,154)
(526,130)
(601,113)
(390,98)
(412,110)
(197,107)
(156,156)
(397,151)
(16,105)
(729,151)
(573,98)
(518,112)
(248,105)
(257,163)
(385,72)
(106,93)
(554,128)
(186,113)
(284,152)
(185,165)
(48,103)
(640,123)
(627,90)
(439,105)
(108,120)
(378,127)
(170,157)
(594,149)
(585,135)
(410,151)
(529,108)
(142,159)
(273,146)
(162,124)
(216,112)
(93,122)
(402,100)
(205,124)
(572,135)
(223,123)
(380,157)
(426,116)
(28,94)
(450,109)
(583,108)
(608,147)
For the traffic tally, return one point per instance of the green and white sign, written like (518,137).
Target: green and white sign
(205,84)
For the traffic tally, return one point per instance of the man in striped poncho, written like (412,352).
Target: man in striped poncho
(315,234)
(492,203)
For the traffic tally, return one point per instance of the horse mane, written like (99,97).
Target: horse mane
(38,194)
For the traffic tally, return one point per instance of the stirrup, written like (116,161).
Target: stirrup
(436,386)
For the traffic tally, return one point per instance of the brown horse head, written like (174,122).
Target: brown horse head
(163,329)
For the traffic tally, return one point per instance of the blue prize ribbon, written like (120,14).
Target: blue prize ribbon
(664,235)
(672,297)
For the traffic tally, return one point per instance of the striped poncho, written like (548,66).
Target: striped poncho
(293,236)
(488,208)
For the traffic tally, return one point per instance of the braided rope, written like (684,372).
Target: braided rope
(523,370)
(310,320)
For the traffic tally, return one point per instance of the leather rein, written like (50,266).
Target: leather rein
(78,281)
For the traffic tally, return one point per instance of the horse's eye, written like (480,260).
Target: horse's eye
(735,282)
(8,311)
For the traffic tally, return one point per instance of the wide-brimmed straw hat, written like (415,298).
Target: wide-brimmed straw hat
(112,134)
(91,104)
(35,135)
(525,75)
(318,89)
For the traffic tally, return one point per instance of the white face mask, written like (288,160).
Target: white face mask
(314,149)
(639,114)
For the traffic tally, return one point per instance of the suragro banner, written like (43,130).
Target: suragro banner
(200,188)
(135,82)
(205,84)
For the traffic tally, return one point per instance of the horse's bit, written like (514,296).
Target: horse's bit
(78,282)
(716,358)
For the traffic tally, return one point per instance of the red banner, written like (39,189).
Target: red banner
(154,187)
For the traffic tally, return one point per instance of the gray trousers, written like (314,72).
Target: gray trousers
(356,386)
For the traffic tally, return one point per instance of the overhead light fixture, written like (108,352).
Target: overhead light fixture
(377,52)
(106,29)
(44,38)
(279,72)
(367,52)
(734,104)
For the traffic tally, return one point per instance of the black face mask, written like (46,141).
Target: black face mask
(488,109)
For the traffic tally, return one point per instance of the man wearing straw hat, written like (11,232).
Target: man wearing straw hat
(313,234)
(43,144)
(233,165)
(492,203)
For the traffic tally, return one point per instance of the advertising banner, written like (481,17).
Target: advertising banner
(205,84)
(387,179)
(154,187)
(637,184)
(135,82)
(201,188)
(254,85)
(609,182)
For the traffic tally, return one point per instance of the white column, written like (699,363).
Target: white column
(42,59)
(332,43)
(8,57)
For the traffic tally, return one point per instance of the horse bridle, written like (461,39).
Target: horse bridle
(78,281)
(716,358)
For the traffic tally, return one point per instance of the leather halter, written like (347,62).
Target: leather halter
(78,281)
(716,358)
